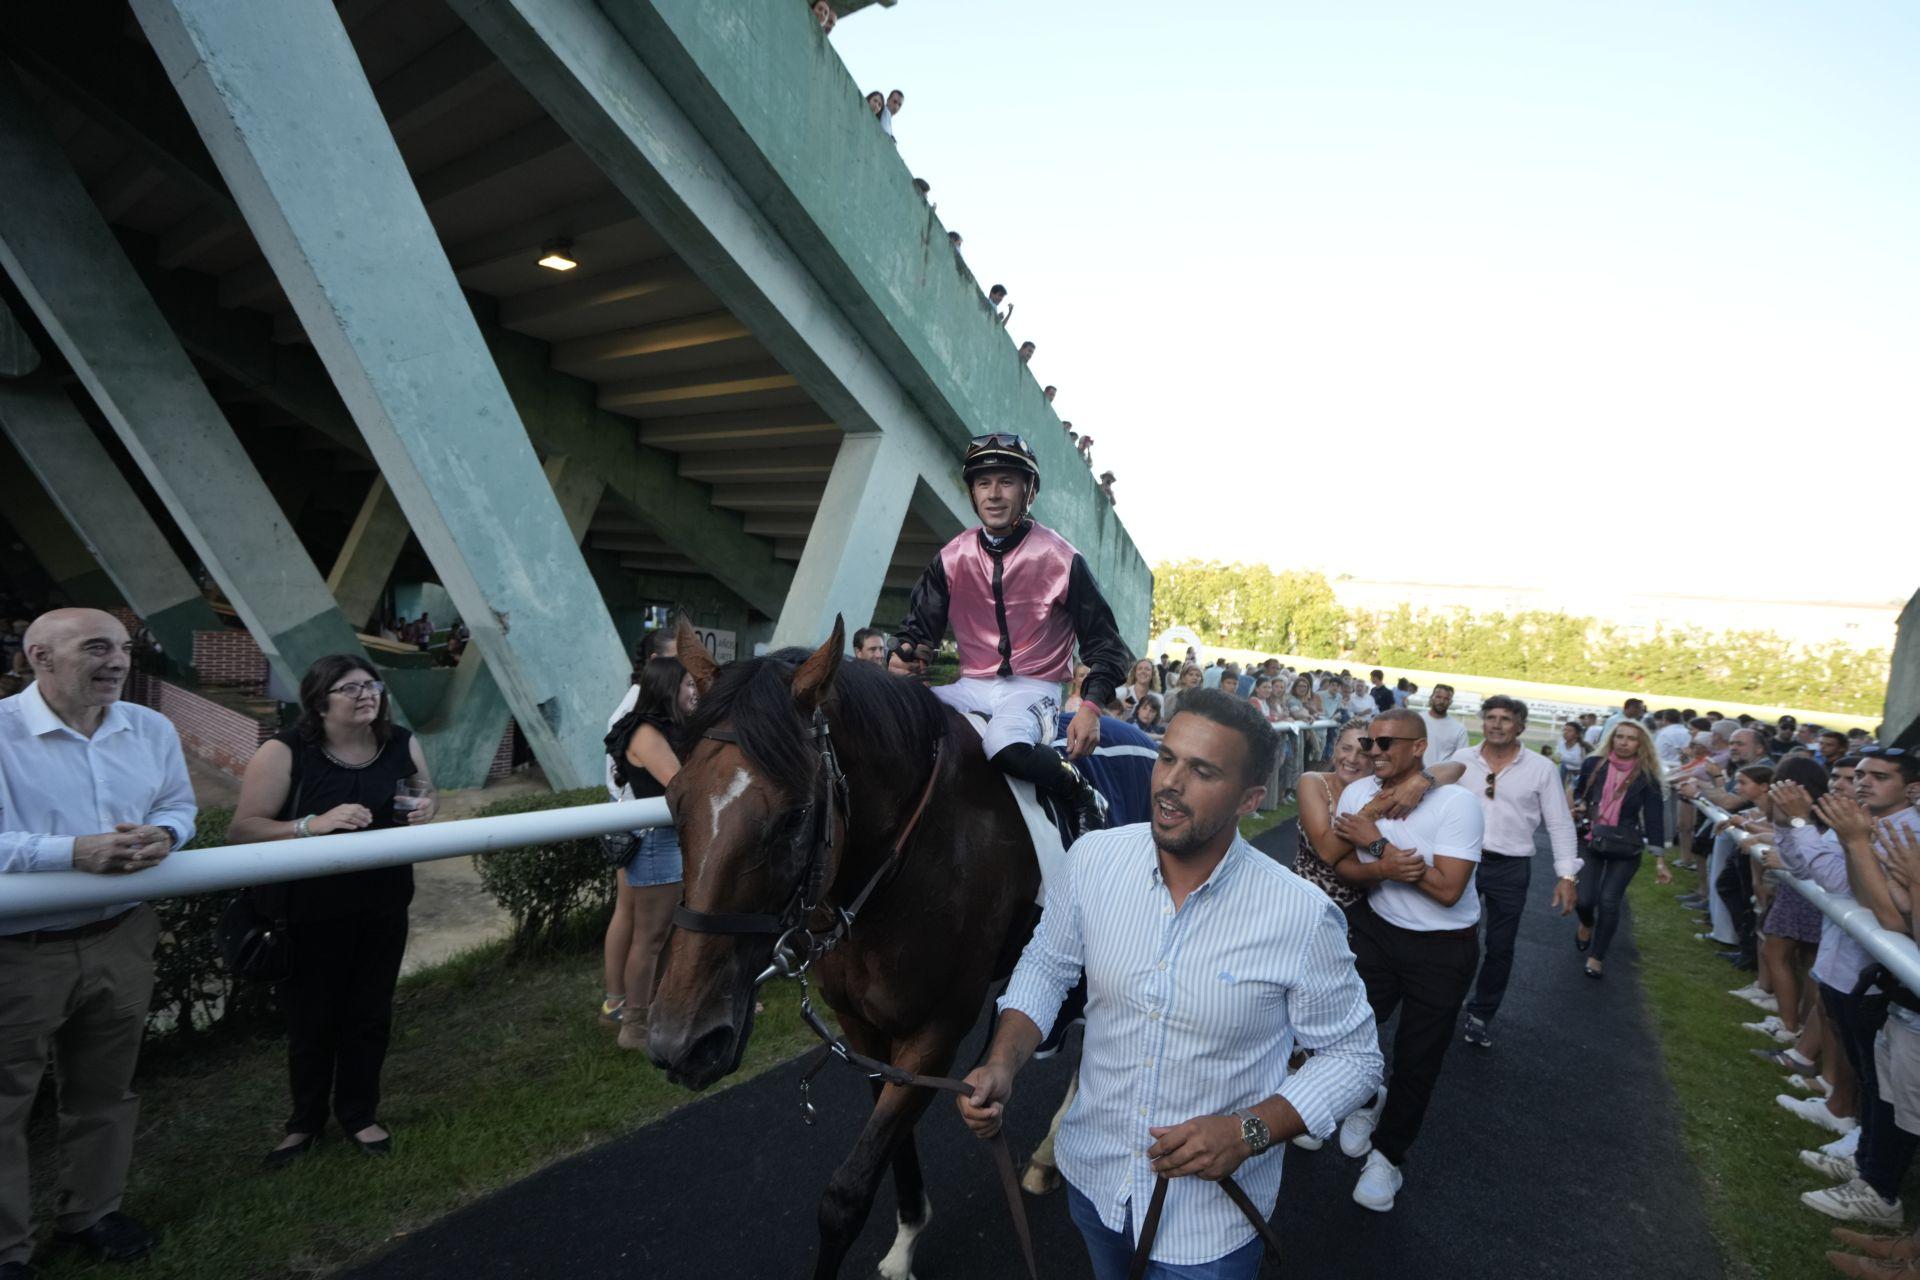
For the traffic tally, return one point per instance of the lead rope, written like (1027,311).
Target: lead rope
(1150,1225)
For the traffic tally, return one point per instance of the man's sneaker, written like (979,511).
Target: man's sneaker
(1814,1111)
(1476,1033)
(1763,1001)
(1854,1201)
(1379,1183)
(1356,1131)
(1772,1026)
(1847,1144)
(1751,989)
(1839,1168)
(1810,1084)
(1073,1012)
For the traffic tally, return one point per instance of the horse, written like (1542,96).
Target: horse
(773,839)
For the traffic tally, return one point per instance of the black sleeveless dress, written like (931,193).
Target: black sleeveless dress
(319,785)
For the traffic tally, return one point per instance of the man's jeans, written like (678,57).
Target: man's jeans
(1502,884)
(1111,1252)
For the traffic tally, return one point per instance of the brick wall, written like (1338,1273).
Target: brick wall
(221,736)
(503,757)
(229,657)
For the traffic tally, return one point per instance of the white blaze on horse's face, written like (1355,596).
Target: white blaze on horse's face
(735,789)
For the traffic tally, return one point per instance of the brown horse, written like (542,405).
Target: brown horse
(769,840)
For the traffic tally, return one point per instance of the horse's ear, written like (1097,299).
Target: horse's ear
(814,679)
(693,654)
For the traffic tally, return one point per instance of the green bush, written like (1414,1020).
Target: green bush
(542,888)
(191,990)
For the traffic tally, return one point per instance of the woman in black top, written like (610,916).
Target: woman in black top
(337,770)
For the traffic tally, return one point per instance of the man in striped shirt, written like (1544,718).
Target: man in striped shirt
(1207,965)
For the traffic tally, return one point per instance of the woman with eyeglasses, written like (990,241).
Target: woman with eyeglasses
(1621,815)
(341,768)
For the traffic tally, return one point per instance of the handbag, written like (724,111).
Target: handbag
(1615,841)
(256,947)
(618,847)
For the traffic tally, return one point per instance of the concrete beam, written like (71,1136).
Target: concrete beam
(72,272)
(50,538)
(389,321)
(598,298)
(59,447)
(1903,685)
(850,548)
(18,356)
(800,425)
(367,557)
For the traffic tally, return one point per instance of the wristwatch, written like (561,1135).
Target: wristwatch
(1377,848)
(1254,1130)
(1432,781)
(1796,823)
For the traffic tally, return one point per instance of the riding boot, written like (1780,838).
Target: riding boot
(1084,808)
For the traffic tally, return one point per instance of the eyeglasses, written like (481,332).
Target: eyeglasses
(1368,744)
(360,688)
(1001,440)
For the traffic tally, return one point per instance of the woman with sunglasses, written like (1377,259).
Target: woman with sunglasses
(1621,815)
(1320,800)
(338,770)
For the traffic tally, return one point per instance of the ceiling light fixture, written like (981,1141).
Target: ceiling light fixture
(557,255)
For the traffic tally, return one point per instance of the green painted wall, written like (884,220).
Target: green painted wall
(770,95)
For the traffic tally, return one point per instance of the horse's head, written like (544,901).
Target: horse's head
(753,808)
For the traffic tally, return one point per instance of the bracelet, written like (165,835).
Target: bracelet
(300,830)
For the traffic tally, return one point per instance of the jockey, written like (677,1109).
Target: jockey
(1019,597)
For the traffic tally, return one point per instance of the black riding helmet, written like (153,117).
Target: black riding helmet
(1000,451)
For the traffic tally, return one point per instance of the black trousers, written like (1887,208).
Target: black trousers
(339,1005)
(1601,896)
(1502,885)
(1886,1150)
(1425,976)
(1735,887)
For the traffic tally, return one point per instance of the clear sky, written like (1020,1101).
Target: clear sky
(1578,283)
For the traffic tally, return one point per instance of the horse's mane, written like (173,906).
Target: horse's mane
(877,716)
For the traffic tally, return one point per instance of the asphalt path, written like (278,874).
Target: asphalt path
(1556,1153)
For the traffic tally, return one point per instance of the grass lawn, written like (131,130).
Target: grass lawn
(1258,823)
(1743,1144)
(496,1070)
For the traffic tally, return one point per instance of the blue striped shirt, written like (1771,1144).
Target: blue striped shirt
(1193,1013)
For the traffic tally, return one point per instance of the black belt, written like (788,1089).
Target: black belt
(34,936)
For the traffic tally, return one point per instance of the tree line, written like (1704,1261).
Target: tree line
(1291,611)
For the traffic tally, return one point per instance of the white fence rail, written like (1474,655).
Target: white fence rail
(234,866)
(1897,951)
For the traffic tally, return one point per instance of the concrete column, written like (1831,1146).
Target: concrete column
(461,739)
(366,559)
(18,356)
(335,211)
(33,515)
(851,542)
(59,448)
(72,272)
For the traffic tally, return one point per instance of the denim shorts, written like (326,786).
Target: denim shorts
(656,859)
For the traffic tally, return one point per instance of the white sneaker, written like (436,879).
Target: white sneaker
(1846,1145)
(1814,1111)
(1380,1182)
(1839,1168)
(1773,1027)
(1852,1201)
(1763,1001)
(1356,1131)
(1748,991)
(1810,1084)
(1307,1142)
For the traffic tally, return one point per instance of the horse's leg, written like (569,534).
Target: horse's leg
(910,1191)
(848,1199)
(1041,1175)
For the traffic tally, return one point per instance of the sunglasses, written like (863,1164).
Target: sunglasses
(1368,744)
(1000,440)
(1883,753)
(1491,779)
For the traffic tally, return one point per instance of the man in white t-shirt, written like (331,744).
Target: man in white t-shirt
(1670,743)
(1414,940)
(1445,735)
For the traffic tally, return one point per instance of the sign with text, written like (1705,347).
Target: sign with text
(719,643)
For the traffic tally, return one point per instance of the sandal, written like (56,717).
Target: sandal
(610,1010)
(1786,1059)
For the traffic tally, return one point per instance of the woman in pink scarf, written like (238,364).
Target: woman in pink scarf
(1618,806)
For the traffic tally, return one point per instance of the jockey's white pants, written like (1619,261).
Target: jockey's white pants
(1018,708)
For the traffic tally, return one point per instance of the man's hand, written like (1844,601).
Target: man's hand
(1844,817)
(128,847)
(1688,787)
(1566,896)
(1083,732)
(1901,851)
(1790,800)
(918,667)
(1357,829)
(992,1085)
(1207,1147)
(1398,864)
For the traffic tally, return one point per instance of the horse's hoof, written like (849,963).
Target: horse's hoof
(1039,1179)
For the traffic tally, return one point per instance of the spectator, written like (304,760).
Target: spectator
(1590,729)
(663,699)
(1617,801)
(1085,445)
(870,645)
(1026,352)
(1670,739)
(1634,710)
(1106,485)
(824,15)
(339,769)
(896,102)
(1573,750)
(1318,847)
(1190,678)
(1382,696)
(1733,881)
(1445,735)
(1140,682)
(618,943)
(953,238)
(1073,699)
(74,758)
(996,296)
(877,104)
(1049,392)
(1146,716)
(1832,744)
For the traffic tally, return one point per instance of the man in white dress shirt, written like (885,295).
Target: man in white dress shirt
(1414,939)
(1207,964)
(1445,735)
(87,783)
(1520,792)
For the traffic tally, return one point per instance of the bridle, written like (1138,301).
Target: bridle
(821,822)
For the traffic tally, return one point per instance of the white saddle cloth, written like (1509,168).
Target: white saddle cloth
(1040,827)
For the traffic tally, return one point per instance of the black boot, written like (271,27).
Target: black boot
(1086,808)
(1073,797)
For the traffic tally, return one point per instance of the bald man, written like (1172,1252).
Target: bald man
(87,783)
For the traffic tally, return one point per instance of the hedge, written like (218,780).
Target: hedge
(544,887)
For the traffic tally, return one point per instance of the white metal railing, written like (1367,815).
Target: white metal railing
(234,866)
(1897,951)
